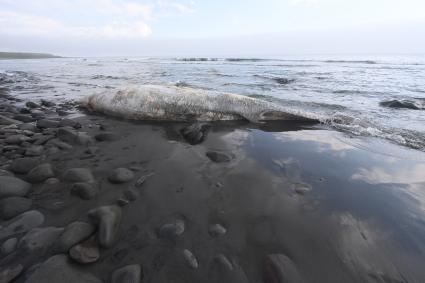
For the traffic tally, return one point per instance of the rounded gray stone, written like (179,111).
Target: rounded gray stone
(58,269)
(40,173)
(73,234)
(127,274)
(172,230)
(22,223)
(8,246)
(39,238)
(75,175)
(12,206)
(280,268)
(84,190)
(121,175)
(108,220)
(12,186)
(23,165)
(85,252)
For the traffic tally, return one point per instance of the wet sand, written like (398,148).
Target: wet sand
(341,209)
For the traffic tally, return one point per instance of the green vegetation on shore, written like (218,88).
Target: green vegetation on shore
(26,55)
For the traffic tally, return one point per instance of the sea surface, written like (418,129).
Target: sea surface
(344,92)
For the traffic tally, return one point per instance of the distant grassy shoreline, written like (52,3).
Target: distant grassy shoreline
(26,55)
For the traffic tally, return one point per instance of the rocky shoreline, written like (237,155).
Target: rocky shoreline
(64,199)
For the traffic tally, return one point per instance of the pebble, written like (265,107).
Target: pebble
(39,238)
(107,136)
(8,246)
(23,165)
(108,220)
(127,274)
(12,186)
(23,118)
(52,181)
(216,230)
(224,262)
(218,157)
(195,133)
(76,175)
(40,173)
(22,223)
(10,273)
(131,194)
(13,206)
(58,269)
(301,188)
(35,150)
(172,230)
(74,137)
(8,121)
(143,179)
(73,234)
(46,123)
(31,105)
(190,259)
(84,190)
(47,103)
(85,252)
(92,150)
(59,144)
(16,139)
(121,175)
(122,201)
(28,127)
(279,268)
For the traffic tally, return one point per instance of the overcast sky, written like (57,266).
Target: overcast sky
(212,27)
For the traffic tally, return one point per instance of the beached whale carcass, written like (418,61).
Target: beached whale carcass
(171,103)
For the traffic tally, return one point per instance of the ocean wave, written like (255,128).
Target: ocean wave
(170,103)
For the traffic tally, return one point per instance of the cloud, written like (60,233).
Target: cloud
(12,23)
(182,8)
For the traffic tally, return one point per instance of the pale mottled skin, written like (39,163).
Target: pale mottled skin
(170,103)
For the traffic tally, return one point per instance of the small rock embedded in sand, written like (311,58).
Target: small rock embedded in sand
(172,230)
(69,123)
(195,133)
(31,105)
(85,252)
(52,181)
(47,103)
(13,206)
(143,179)
(218,157)
(108,220)
(224,262)
(107,136)
(23,165)
(127,274)
(131,194)
(8,246)
(40,173)
(74,137)
(59,269)
(10,273)
(216,230)
(92,150)
(78,175)
(301,188)
(84,190)
(8,121)
(46,123)
(279,268)
(121,175)
(190,259)
(39,238)
(16,139)
(35,150)
(13,187)
(74,233)
(22,223)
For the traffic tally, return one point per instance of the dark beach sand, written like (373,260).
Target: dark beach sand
(342,209)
